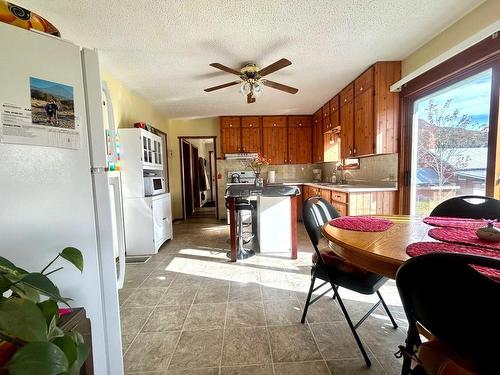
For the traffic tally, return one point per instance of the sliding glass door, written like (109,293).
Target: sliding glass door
(449,142)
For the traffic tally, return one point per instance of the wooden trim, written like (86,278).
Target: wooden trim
(165,158)
(186,138)
(482,56)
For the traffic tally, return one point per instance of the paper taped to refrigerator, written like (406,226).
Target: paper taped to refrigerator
(16,126)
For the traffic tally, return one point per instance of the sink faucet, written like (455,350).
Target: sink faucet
(343,176)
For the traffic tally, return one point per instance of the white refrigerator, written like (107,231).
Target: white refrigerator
(52,197)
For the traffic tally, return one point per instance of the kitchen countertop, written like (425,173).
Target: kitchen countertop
(345,188)
(274,190)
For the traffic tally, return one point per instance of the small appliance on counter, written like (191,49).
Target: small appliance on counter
(154,184)
(271,177)
(317,175)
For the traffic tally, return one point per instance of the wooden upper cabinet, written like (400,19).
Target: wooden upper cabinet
(335,111)
(347,94)
(299,140)
(230,129)
(251,134)
(274,139)
(326,117)
(363,123)
(386,107)
(347,125)
(364,81)
(317,152)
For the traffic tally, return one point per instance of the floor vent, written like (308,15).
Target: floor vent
(137,259)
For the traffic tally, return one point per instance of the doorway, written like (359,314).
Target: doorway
(198,177)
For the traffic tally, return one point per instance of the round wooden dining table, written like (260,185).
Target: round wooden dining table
(379,252)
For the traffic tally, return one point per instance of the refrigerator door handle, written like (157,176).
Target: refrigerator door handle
(114,182)
(111,120)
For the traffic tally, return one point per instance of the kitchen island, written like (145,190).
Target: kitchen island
(251,191)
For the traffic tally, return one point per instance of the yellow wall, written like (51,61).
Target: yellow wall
(473,22)
(180,128)
(129,107)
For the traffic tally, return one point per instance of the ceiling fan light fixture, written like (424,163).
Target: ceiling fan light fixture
(257,88)
(245,88)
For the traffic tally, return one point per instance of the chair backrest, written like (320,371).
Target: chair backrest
(480,208)
(316,212)
(457,304)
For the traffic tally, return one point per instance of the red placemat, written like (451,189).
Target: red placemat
(421,248)
(456,222)
(362,223)
(462,236)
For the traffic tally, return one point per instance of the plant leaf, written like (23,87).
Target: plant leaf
(42,358)
(22,319)
(76,337)
(54,331)
(68,346)
(43,285)
(49,310)
(7,266)
(74,256)
(83,352)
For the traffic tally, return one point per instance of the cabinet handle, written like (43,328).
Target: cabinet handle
(350,151)
(361,88)
(230,125)
(274,124)
(251,125)
(354,150)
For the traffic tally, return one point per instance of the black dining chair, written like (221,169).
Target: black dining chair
(332,269)
(469,207)
(458,306)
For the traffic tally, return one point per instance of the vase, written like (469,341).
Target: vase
(259,181)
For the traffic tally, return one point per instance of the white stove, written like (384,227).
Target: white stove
(240,178)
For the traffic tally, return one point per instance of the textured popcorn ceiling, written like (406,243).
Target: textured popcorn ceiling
(162,49)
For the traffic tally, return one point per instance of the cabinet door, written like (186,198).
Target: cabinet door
(274,145)
(326,117)
(331,147)
(325,194)
(363,123)
(251,135)
(341,208)
(230,128)
(274,139)
(347,129)
(159,219)
(317,136)
(299,140)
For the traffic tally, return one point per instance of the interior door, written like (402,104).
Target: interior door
(186,175)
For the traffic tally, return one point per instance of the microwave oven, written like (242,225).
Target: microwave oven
(154,185)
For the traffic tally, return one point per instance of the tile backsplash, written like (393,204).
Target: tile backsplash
(379,168)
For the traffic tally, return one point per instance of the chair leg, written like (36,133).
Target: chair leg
(308,299)
(410,346)
(353,330)
(394,324)
(335,289)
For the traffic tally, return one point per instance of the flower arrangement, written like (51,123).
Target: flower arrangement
(256,164)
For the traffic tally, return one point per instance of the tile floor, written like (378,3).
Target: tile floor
(190,311)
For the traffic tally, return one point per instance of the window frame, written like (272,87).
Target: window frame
(482,56)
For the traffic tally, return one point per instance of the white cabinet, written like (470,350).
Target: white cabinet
(148,223)
(139,150)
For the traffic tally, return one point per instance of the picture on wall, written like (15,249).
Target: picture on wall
(52,104)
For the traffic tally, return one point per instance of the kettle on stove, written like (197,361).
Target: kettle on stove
(235,178)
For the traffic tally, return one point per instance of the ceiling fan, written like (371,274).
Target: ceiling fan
(251,79)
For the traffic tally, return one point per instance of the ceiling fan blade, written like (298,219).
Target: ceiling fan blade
(222,86)
(225,68)
(279,86)
(280,64)
(250,98)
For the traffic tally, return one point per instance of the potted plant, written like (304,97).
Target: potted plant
(30,340)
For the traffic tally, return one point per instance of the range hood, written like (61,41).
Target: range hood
(242,156)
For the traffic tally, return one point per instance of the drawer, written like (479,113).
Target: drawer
(363,82)
(334,103)
(341,208)
(250,122)
(230,122)
(338,196)
(347,94)
(274,122)
(299,121)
